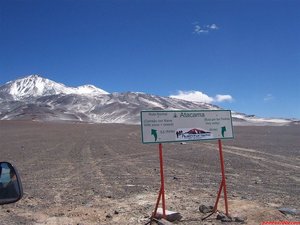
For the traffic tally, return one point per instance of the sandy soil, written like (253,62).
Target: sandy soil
(86,174)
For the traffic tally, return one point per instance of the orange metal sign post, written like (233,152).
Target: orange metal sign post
(223,182)
(222,185)
(161,194)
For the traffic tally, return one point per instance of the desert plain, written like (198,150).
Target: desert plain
(86,174)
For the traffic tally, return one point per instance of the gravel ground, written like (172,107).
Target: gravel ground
(86,174)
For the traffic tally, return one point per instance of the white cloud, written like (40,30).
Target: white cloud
(204,28)
(213,27)
(268,97)
(223,98)
(198,30)
(198,96)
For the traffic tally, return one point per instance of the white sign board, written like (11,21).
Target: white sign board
(187,125)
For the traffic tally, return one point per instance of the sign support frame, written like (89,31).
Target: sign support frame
(161,194)
(222,185)
(223,182)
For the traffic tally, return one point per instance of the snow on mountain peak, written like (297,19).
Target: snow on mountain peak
(90,89)
(35,86)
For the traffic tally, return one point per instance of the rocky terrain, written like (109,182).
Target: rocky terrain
(86,174)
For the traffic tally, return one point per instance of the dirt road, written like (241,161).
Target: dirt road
(103,174)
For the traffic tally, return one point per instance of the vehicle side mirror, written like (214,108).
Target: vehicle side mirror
(10,184)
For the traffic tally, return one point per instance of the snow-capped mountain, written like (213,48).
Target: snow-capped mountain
(36,86)
(38,98)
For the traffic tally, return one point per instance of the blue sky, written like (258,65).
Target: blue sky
(242,55)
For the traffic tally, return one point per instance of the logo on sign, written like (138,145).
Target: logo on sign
(192,134)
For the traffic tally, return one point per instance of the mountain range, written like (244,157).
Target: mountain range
(37,98)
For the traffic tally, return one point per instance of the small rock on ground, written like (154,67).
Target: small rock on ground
(205,209)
